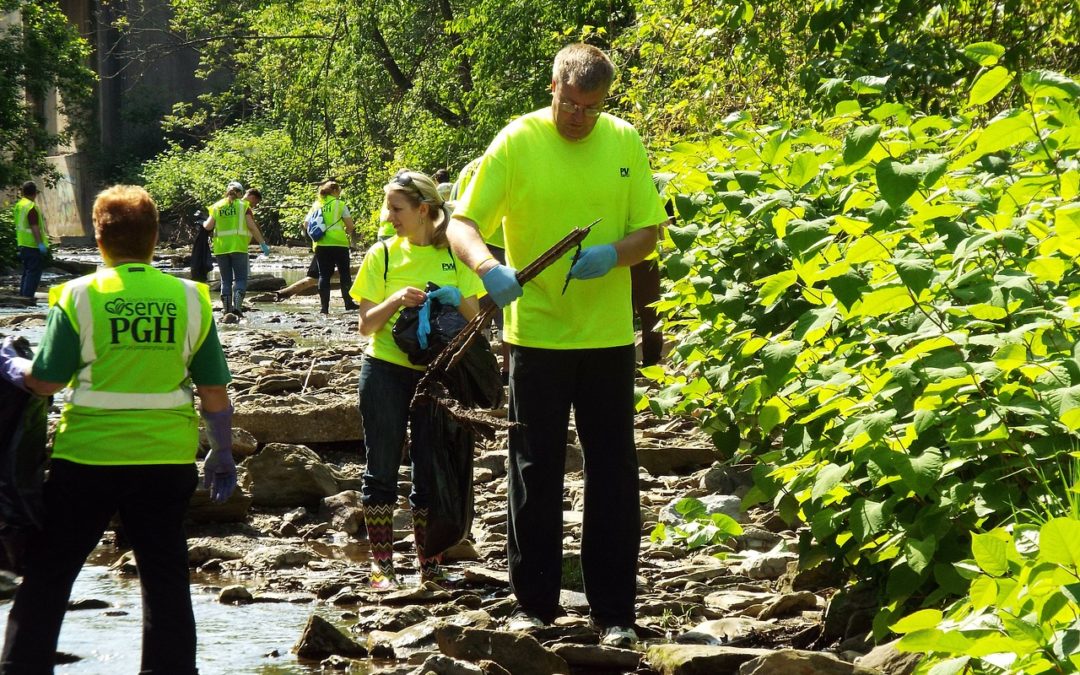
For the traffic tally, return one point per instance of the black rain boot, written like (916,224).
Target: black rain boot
(238,302)
(226,304)
(324,300)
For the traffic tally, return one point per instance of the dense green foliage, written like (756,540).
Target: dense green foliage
(879,308)
(1021,612)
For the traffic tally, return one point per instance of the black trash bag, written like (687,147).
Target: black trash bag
(450,512)
(446,322)
(202,256)
(476,380)
(23,437)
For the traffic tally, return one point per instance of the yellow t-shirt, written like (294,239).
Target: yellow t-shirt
(539,186)
(410,265)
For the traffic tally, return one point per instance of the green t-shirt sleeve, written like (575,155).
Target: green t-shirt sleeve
(208,366)
(57,359)
(485,198)
(646,206)
(370,284)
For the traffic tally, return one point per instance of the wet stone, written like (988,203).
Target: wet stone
(235,595)
(321,639)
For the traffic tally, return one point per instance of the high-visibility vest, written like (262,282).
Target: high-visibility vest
(333,215)
(131,397)
(231,234)
(23,235)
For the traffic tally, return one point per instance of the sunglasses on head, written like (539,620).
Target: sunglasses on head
(402,178)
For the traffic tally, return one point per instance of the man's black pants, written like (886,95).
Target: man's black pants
(599,385)
(330,257)
(80,500)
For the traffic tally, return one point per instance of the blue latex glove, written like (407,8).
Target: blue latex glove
(13,367)
(42,247)
(219,468)
(502,285)
(447,295)
(423,325)
(265,248)
(594,262)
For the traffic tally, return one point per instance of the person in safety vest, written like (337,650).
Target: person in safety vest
(391,278)
(130,342)
(332,250)
(570,329)
(233,225)
(31,239)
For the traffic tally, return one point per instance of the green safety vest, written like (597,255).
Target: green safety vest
(231,234)
(332,213)
(23,234)
(131,398)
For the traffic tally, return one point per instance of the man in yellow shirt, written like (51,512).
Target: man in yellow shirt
(546,173)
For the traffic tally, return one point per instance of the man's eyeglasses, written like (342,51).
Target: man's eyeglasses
(572,108)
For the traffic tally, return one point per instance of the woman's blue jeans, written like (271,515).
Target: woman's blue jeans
(386,391)
(233,268)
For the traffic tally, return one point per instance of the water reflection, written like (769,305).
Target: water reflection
(232,639)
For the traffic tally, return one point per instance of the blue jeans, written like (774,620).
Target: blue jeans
(386,390)
(33,263)
(233,268)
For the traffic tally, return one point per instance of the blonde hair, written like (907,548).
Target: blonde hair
(328,188)
(584,67)
(419,189)
(126,222)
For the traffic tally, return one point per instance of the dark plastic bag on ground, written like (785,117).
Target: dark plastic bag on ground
(450,513)
(446,322)
(23,437)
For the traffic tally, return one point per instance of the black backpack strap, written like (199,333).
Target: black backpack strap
(386,259)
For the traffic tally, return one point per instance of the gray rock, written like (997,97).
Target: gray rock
(797,662)
(296,419)
(277,557)
(674,659)
(423,634)
(440,664)
(674,460)
(484,575)
(727,504)
(757,539)
(428,592)
(789,604)
(321,639)
(201,509)
(595,656)
(391,619)
(736,600)
(345,510)
(722,631)
(771,565)
(288,475)
(256,282)
(87,603)
(889,660)
(243,443)
(516,652)
(235,595)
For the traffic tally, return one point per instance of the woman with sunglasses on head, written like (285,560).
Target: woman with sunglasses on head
(392,277)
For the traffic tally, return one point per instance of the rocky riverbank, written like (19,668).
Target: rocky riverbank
(294,533)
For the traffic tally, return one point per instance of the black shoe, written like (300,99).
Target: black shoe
(351,306)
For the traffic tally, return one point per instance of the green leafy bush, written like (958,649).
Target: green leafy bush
(880,307)
(698,529)
(1021,613)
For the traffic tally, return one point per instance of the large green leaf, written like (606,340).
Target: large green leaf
(1006,131)
(915,271)
(989,85)
(866,519)
(1059,542)
(869,84)
(984,53)
(1039,83)
(859,141)
(990,551)
(776,284)
(778,359)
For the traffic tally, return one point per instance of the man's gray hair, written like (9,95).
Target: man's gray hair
(583,66)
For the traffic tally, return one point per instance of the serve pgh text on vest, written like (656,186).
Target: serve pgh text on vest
(144,320)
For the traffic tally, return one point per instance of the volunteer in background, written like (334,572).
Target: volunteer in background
(31,239)
(233,226)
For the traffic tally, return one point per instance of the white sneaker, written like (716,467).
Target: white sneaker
(521,622)
(618,636)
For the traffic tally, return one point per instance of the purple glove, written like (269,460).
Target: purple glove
(219,469)
(502,285)
(594,262)
(13,367)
